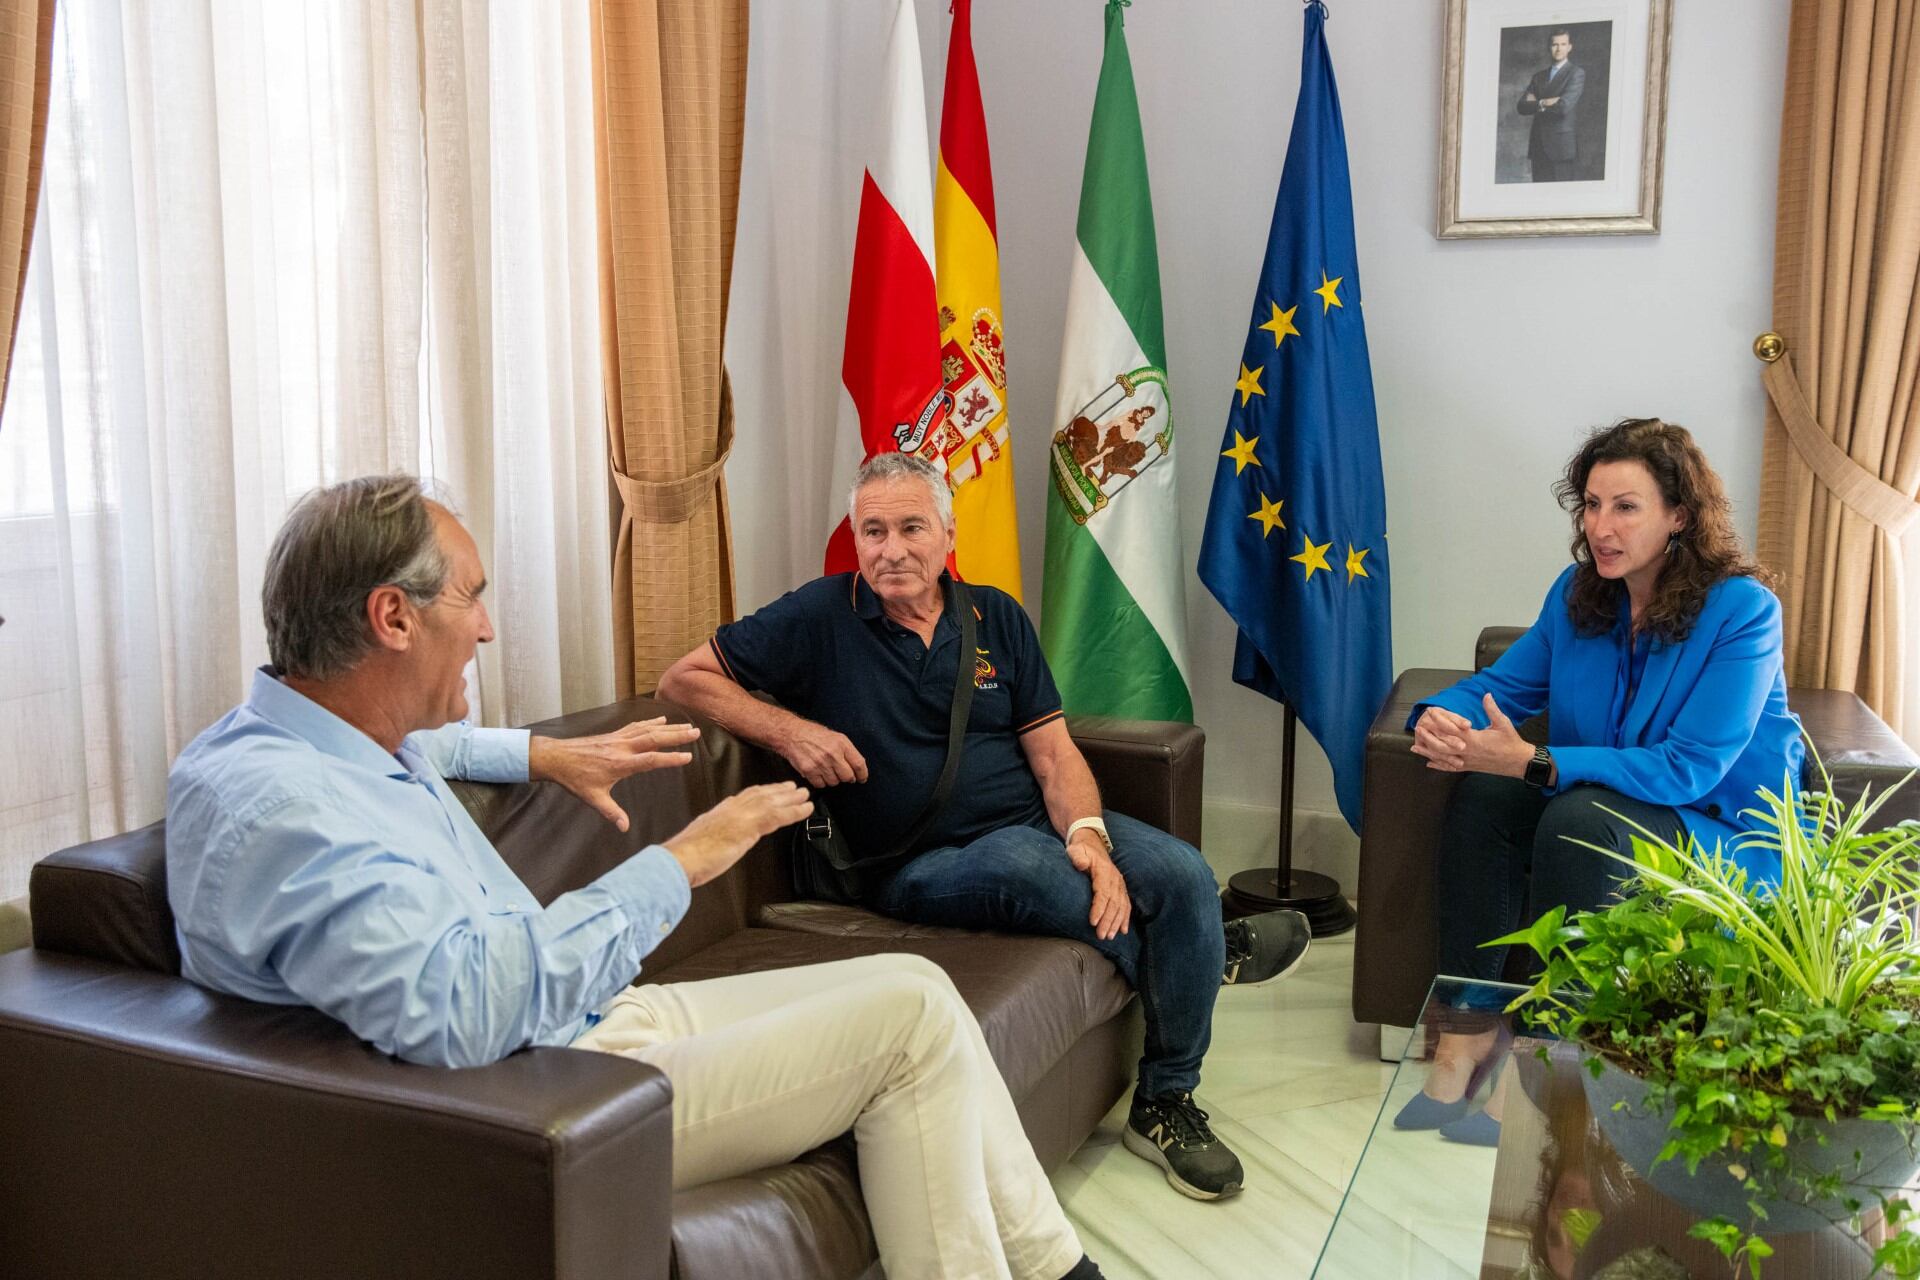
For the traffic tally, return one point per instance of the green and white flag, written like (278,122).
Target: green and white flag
(1114,617)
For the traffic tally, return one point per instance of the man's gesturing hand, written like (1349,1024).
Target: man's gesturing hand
(717,838)
(1112,908)
(590,766)
(822,756)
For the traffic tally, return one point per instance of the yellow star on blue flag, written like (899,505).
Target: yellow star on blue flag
(1269,515)
(1281,325)
(1313,556)
(1329,292)
(1249,383)
(1242,453)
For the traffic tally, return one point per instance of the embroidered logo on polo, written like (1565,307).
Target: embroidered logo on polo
(985,674)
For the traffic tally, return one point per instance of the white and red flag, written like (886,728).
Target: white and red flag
(891,366)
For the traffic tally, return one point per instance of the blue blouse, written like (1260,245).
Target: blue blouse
(1700,726)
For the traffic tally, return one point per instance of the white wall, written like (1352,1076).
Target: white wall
(1489,357)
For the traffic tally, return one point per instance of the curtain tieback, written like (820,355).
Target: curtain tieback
(1869,497)
(675,501)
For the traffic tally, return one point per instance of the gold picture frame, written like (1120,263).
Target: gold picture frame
(1593,167)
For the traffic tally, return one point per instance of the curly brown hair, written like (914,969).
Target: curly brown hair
(1704,552)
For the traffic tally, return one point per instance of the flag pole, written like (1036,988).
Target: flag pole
(1316,896)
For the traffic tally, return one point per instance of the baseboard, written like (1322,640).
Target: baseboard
(1242,837)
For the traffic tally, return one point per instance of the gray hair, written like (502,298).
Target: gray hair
(339,544)
(891,466)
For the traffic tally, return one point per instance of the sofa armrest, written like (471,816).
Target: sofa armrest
(151,1128)
(1493,642)
(1404,801)
(1859,750)
(1147,769)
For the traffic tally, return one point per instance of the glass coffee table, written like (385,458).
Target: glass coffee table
(1552,1201)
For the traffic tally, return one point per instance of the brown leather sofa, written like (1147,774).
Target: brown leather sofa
(150,1128)
(1396,948)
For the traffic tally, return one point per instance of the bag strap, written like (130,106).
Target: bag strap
(962,606)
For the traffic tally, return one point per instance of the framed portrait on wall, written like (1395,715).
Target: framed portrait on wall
(1553,118)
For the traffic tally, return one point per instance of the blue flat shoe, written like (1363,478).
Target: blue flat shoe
(1423,1112)
(1476,1130)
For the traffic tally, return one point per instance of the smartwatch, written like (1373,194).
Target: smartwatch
(1539,769)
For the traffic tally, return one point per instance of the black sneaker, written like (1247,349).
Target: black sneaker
(1264,947)
(1172,1132)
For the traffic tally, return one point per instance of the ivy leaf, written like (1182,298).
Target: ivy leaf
(1900,1255)
(1580,1225)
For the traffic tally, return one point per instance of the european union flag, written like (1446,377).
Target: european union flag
(1296,541)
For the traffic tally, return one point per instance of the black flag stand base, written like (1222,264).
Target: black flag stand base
(1316,896)
(1313,895)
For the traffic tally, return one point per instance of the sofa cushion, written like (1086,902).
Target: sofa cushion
(1034,997)
(798,1219)
(107,900)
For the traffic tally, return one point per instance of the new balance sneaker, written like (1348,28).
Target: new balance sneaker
(1264,947)
(1172,1132)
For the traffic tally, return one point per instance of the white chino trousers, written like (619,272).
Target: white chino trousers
(768,1065)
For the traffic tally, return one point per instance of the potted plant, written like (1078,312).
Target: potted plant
(1753,1049)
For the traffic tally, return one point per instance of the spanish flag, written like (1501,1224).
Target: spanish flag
(973,363)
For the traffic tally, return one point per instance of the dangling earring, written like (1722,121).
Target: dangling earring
(1673,540)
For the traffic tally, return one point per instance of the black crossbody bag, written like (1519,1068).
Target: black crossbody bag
(824,864)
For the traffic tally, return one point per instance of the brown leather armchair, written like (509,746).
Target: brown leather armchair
(1395,950)
(150,1128)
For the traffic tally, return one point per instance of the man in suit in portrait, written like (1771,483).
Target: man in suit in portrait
(1551,98)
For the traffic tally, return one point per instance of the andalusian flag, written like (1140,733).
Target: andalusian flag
(973,362)
(1114,616)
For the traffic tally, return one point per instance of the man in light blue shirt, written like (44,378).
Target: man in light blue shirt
(316,856)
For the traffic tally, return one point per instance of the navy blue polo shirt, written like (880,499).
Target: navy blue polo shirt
(828,652)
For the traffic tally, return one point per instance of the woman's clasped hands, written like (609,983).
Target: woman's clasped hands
(1450,743)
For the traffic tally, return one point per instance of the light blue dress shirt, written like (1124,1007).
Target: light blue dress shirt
(305,865)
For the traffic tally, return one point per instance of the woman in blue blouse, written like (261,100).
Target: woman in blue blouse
(1657,658)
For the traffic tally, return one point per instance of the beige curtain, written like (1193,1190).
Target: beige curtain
(26,43)
(1841,461)
(669,107)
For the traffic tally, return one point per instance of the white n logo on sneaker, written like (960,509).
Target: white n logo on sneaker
(1162,1142)
(1233,974)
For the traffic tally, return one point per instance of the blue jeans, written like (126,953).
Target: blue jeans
(1018,879)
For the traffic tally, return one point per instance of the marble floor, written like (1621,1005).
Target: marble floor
(1293,1085)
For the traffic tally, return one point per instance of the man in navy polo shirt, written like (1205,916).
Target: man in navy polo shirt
(864,666)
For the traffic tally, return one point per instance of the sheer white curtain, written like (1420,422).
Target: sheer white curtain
(518,409)
(228,305)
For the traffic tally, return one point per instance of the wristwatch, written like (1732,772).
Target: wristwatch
(1539,769)
(1096,825)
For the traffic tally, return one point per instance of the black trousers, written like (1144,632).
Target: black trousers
(1542,169)
(1507,858)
